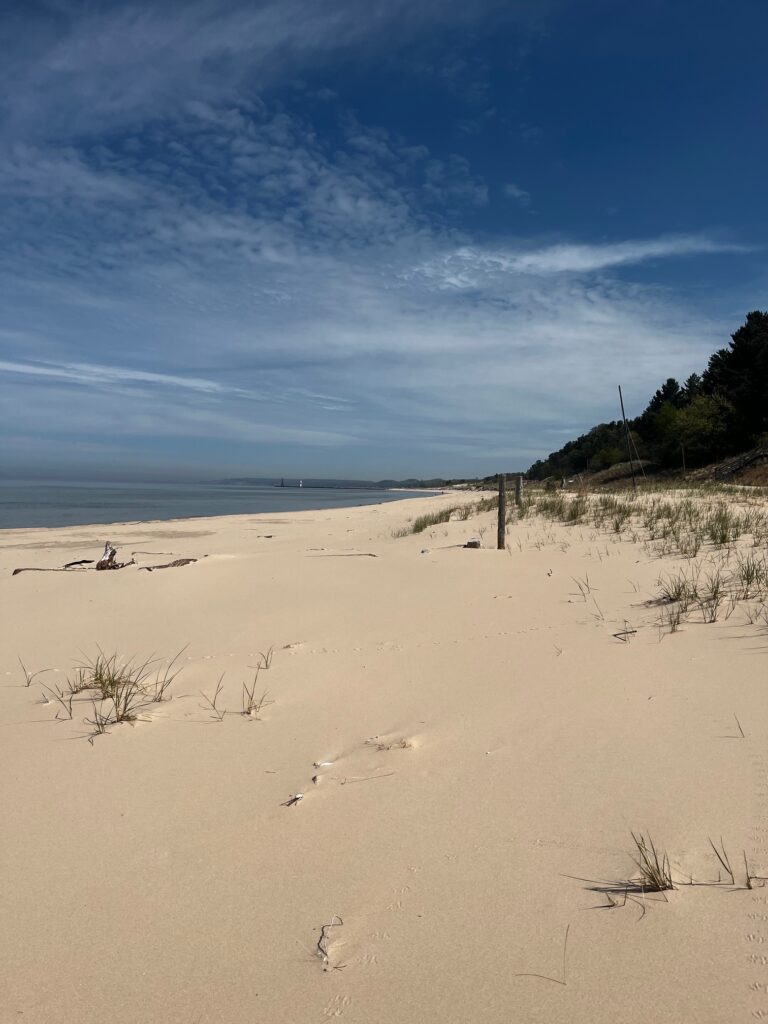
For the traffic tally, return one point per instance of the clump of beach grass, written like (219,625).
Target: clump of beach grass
(266,657)
(401,531)
(57,695)
(252,705)
(655,875)
(29,677)
(252,702)
(422,523)
(713,595)
(462,513)
(100,721)
(130,685)
(118,689)
(164,678)
(211,702)
(752,574)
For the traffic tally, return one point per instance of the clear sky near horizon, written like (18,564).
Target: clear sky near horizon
(336,238)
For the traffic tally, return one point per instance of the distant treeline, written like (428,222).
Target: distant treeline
(717,413)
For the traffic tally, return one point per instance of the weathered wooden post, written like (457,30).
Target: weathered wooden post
(519,490)
(501,541)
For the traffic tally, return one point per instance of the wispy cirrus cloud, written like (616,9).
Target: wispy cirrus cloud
(512,191)
(191,258)
(29,172)
(321,282)
(89,375)
(88,66)
(469,266)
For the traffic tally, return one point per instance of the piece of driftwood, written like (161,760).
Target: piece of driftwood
(169,565)
(346,554)
(107,561)
(36,568)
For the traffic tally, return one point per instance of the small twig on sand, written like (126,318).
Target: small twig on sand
(368,778)
(322,942)
(546,977)
(625,634)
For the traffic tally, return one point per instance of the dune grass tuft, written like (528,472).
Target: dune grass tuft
(252,704)
(118,689)
(211,702)
(29,677)
(653,866)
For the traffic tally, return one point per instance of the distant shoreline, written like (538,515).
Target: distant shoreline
(53,506)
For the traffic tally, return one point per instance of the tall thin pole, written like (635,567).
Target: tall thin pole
(501,542)
(629,444)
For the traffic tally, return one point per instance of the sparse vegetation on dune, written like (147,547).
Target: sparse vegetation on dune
(654,875)
(118,689)
(721,532)
(462,513)
(252,704)
(121,690)
(422,523)
(667,522)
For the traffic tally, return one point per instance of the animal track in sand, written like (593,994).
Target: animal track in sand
(399,891)
(389,645)
(368,959)
(383,744)
(336,1006)
(294,647)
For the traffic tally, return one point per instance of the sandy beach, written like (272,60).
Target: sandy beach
(473,744)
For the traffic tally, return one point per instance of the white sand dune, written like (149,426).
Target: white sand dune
(484,744)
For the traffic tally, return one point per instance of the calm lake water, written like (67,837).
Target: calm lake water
(54,504)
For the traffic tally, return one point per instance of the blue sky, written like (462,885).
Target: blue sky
(329,238)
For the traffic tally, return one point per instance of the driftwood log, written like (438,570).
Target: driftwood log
(107,561)
(169,565)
